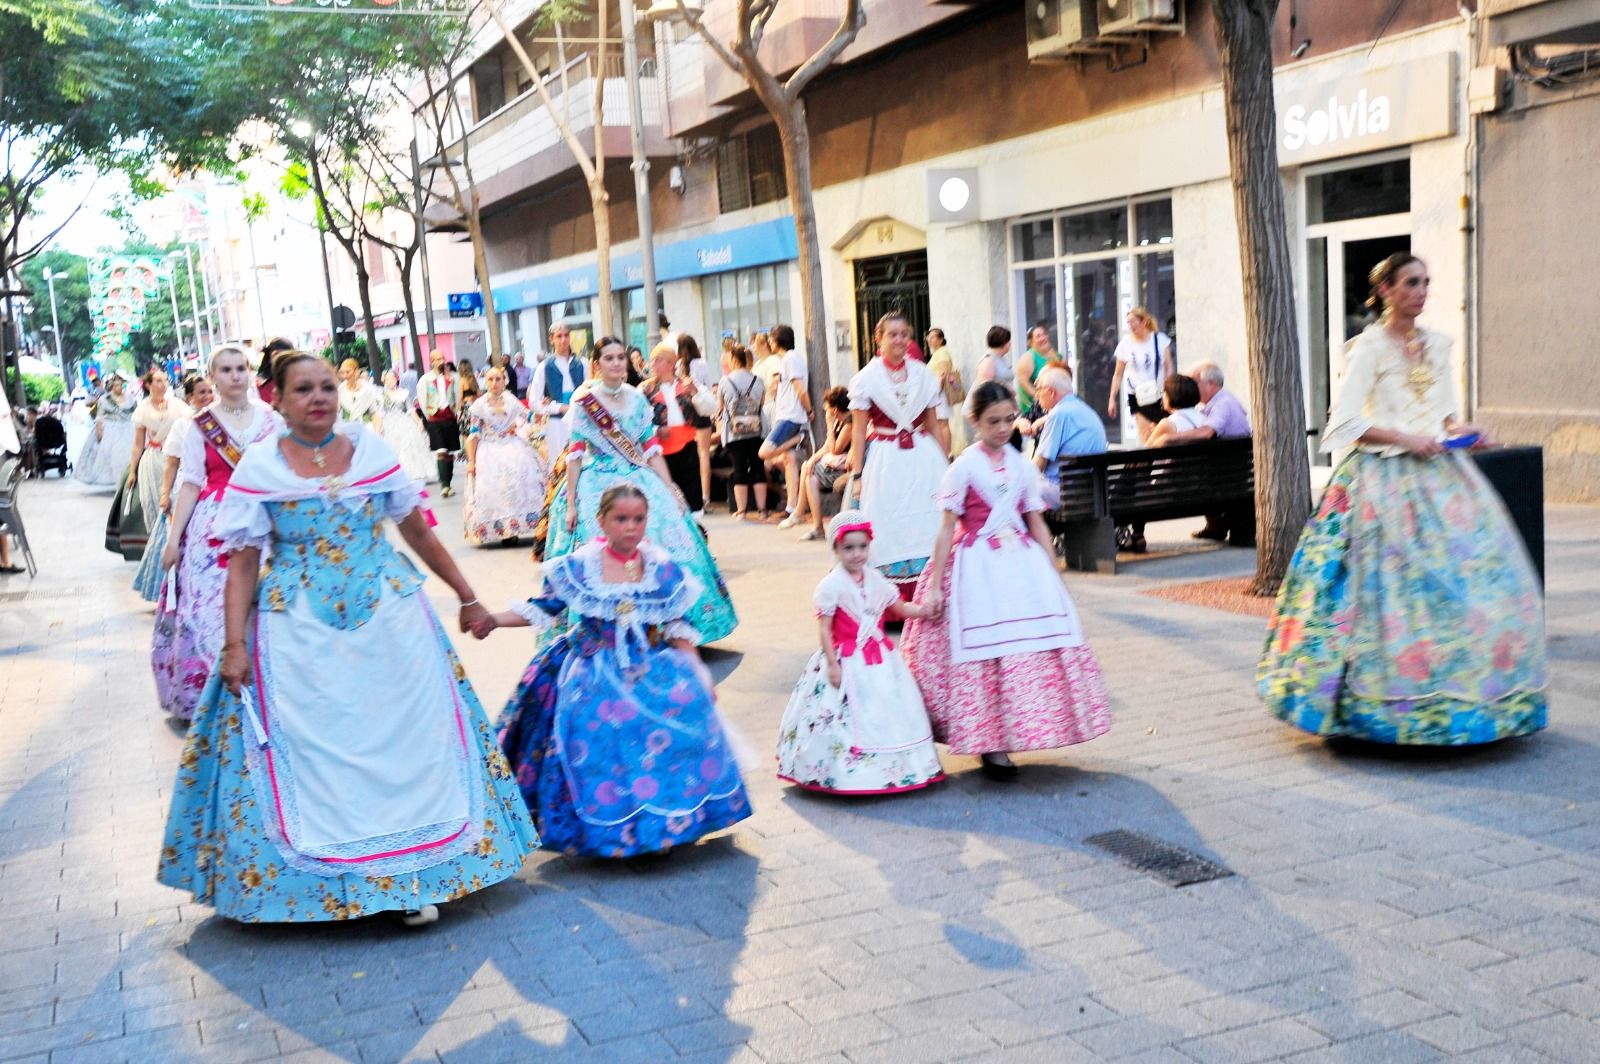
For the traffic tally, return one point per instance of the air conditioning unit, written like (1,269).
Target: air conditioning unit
(1056,27)
(1123,16)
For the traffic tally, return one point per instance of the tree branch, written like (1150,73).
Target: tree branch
(850,23)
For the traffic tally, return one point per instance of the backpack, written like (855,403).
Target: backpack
(744,419)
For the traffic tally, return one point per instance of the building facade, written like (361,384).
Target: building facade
(965,185)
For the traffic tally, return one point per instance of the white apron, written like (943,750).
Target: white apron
(1005,594)
(899,483)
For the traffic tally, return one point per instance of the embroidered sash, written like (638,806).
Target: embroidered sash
(607,424)
(218,437)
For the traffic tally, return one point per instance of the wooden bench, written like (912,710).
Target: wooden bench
(1101,491)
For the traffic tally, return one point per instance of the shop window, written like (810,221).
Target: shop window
(750,170)
(741,303)
(1359,192)
(1079,272)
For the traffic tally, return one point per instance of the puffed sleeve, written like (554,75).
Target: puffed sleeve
(243,519)
(826,597)
(1347,417)
(1032,486)
(173,446)
(953,488)
(192,457)
(399,504)
(859,399)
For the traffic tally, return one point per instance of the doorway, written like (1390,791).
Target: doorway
(891,282)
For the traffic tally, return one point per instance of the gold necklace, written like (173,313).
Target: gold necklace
(1420,377)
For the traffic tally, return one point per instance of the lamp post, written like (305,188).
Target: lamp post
(55,321)
(194,304)
(641,174)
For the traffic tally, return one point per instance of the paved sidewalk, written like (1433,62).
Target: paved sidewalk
(1399,907)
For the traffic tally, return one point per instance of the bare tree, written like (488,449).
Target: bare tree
(386,167)
(784,100)
(592,165)
(1277,397)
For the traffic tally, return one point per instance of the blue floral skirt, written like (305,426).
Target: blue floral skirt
(147,581)
(598,751)
(1410,614)
(225,849)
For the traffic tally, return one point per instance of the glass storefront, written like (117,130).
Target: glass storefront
(741,303)
(1079,272)
(578,316)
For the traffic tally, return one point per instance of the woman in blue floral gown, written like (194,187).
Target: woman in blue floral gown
(1411,612)
(614,441)
(612,733)
(339,763)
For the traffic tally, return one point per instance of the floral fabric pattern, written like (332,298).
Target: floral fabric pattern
(1410,613)
(669,528)
(506,495)
(337,556)
(188,632)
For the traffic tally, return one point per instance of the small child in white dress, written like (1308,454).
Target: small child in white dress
(855,722)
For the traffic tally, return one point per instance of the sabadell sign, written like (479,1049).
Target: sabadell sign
(1369,111)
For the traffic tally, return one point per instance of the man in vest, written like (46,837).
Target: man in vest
(552,386)
(438,393)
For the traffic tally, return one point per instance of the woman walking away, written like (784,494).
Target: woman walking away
(893,455)
(404,433)
(740,396)
(1411,613)
(197,395)
(1000,672)
(612,733)
(855,722)
(325,776)
(505,475)
(188,634)
(614,441)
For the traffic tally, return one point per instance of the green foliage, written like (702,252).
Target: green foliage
(42,388)
(72,298)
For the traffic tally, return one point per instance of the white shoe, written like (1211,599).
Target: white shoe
(428,914)
(789,522)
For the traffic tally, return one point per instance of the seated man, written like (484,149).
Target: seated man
(1225,419)
(1070,427)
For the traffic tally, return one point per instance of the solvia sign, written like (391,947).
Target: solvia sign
(1367,111)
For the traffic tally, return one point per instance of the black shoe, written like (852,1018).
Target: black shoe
(1210,532)
(1138,545)
(997,773)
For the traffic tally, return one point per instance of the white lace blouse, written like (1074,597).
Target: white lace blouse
(1382,389)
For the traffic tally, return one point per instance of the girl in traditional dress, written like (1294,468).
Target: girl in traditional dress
(358,399)
(1005,667)
(103,461)
(402,431)
(855,722)
(506,476)
(188,633)
(894,455)
(612,733)
(153,421)
(326,775)
(1410,613)
(614,441)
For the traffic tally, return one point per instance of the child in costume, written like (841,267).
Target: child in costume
(855,722)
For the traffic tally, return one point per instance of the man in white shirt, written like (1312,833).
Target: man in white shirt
(551,386)
(791,418)
(438,394)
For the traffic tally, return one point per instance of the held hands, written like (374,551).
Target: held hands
(933,602)
(235,669)
(473,616)
(482,628)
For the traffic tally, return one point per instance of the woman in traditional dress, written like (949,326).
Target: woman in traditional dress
(673,398)
(103,461)
(153,421)
(613,733)
(188,633)
(614,441)
(326,775)
(359,400)
(1005,667)
(855,723)
(402,430)
(894,456)
(1410,613)
(505,475)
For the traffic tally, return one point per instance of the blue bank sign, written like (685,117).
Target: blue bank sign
(736,249)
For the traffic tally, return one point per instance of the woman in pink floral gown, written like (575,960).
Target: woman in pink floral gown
(1004,667)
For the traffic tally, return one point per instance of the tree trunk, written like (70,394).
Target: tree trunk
(795,134)
(1277,397)
(406,263)
(480,264)
(364,289)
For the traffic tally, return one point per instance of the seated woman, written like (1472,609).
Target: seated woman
(1181,400)
(828,470)
(613,733)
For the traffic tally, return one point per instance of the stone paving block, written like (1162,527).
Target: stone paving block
(1131,1035)
(1390,1047)
(1454,1034)
(839,1035)
(734,1028)
(945,1043)
(1268,1040)
(1561,1037)
(170,1043)
(1026,1027)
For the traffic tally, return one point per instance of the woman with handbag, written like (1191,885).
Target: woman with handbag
(1144,359)
(942,366)
(740,395)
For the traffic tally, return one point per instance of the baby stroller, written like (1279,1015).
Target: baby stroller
(50,445)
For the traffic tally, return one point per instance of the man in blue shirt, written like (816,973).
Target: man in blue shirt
(1070,427)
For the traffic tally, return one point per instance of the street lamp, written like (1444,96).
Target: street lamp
(55,321)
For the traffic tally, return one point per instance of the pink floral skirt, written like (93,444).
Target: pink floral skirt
(188,639)
(1039,701)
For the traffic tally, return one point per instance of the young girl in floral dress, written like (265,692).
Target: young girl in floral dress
(1005,667)
(855,722)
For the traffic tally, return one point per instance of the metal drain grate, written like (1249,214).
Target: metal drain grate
(1172,865)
